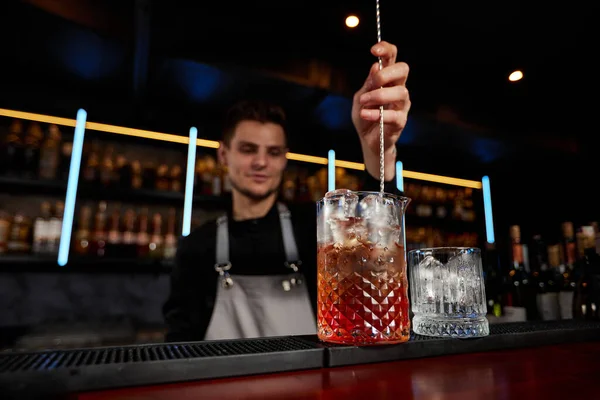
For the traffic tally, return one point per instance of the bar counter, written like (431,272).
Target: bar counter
(517,360)
(567,371)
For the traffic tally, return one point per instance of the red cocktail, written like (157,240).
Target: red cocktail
(362,282)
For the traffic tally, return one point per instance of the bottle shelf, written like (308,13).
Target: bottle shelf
(446,224)
(89,191)
(15,263)
(25,186)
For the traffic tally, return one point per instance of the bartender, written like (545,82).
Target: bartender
(252,272)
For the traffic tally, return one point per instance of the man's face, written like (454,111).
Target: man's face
(256,158)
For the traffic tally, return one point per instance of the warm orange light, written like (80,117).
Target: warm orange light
(306,158)
(442,179)
(46,119)
(208,143)
(350,165)
(515,76)
(352,21)
(168,137)
(141,133)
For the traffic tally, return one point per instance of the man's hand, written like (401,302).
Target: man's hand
(388,88)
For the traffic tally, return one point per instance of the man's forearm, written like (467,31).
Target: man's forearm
(371,161)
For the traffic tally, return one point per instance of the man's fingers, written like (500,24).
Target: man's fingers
(397,118)
(386,51)
(394,95)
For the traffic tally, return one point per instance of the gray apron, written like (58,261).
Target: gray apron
(249,306)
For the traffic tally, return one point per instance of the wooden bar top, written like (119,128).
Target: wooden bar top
(567,371)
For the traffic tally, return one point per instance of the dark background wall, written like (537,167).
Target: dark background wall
(150,65)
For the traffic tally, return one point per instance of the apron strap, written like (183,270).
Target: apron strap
(287,231)
(222,241)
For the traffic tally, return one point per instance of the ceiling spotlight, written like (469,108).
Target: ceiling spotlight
(515,76)
(352,21)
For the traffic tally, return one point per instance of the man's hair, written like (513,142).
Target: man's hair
(252,110)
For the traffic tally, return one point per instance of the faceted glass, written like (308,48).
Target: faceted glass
(361,263)
(447,292)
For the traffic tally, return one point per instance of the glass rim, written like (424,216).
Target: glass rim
(363,192)
(445,249)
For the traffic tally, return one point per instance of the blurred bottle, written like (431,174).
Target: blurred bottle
(129,234)
(176,178)
(302,194)
(568,257)
(142,237)
(123,172)
(156,245)
(170,237)
(581,239)
(563,285)
(520,295)
(217,181)
(136,175)
(12,157)
(198,175)
(55,228)
(458,210)
(100,235)
(50,154)
(530,285)
(547,287)
(442,209)
(206,166)
(226,181)
(569,246)
(31,151)
(91,168)
(66,150)
(313,188)
(425,207)
(5,221)
(322,180)
(162,177)
(594,225)
(82,236)
(586,301)
(149,175)
(107,168)
(41,229)
(19,238)
(114,238)
(493,280)
(288,186)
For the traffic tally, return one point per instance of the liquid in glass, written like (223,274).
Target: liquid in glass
(362,281)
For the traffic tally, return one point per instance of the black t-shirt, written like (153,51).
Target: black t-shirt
(255,248)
